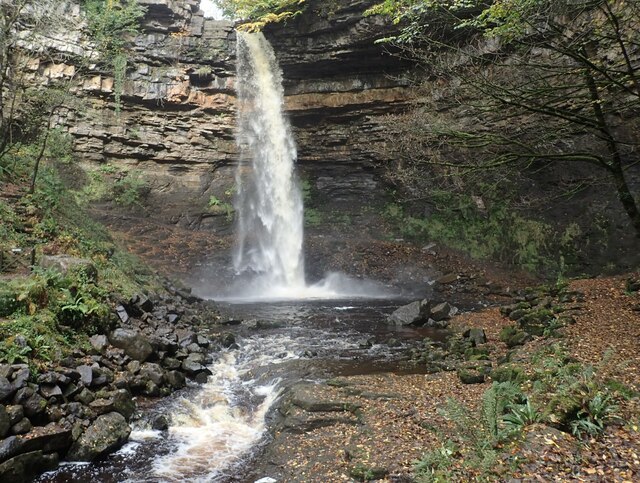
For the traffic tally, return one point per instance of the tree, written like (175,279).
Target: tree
(562,76)
(258,13)
(29,30)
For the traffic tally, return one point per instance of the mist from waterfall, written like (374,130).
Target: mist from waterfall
(268,258)
(269,202)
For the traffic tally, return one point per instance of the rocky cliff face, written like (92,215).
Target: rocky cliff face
(176,123)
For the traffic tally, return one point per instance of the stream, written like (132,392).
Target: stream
(217,429)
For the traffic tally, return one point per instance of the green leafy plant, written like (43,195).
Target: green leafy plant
(521,415)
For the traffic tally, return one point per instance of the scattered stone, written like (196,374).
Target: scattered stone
(415,313)
(160,423)
(5,421)
(175,379)
(99,342)
(21,427)
(447,279)
(107,433)
(134,344)
(86,374)
(25,467)
(34,406)
(122,313)
(6,389)
(16,413)
(85,397)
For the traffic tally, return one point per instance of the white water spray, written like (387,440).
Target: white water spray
(269,203)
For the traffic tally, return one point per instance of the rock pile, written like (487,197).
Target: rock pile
(80,407)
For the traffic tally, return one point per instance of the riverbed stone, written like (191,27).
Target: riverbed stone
(134,344)
(415,313)
(24,468)
(5,421)
(21,427)
(34,406)
(107,433)
(176,379)
(6,389)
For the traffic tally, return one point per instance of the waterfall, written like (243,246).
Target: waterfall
(268,200)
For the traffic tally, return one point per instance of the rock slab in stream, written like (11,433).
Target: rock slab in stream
(415,313)
(107,433)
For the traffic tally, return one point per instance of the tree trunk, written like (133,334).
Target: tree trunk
(626,198)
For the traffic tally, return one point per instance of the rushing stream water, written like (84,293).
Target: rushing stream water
(217,428)
(291,332)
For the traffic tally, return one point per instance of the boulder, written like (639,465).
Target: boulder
(415,313)
(21,427)
(107,433)
(5,421)
(25,467)
(442,311)
(153,372)
(48,439)
(99,342)
(6,389)
(134,344)
(86,374)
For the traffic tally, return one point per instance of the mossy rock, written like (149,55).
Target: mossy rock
(470,376)
(363,472)
(508,372)
(512,336)
(476,354)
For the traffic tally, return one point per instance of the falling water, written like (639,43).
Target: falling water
(269,204)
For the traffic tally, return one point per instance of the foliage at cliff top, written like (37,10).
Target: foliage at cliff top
(257,14)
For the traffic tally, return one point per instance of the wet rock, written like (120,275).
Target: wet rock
(176,379)
(102,406)
(20,376)
(16,413)
(153,372)
(85,397)
(23,394)
(160,422)
(49,439)
(9,447)
(6,389)
(34,406)
(122,313)
(171,364)
(55,413)
(123,403)
(107,433)
(415,313)
(24,468)
(21,427)
(134,344)
(70,391)
(5,421)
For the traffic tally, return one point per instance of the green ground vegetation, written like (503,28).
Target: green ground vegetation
(45,313)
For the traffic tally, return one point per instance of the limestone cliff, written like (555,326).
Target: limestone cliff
(176,122)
